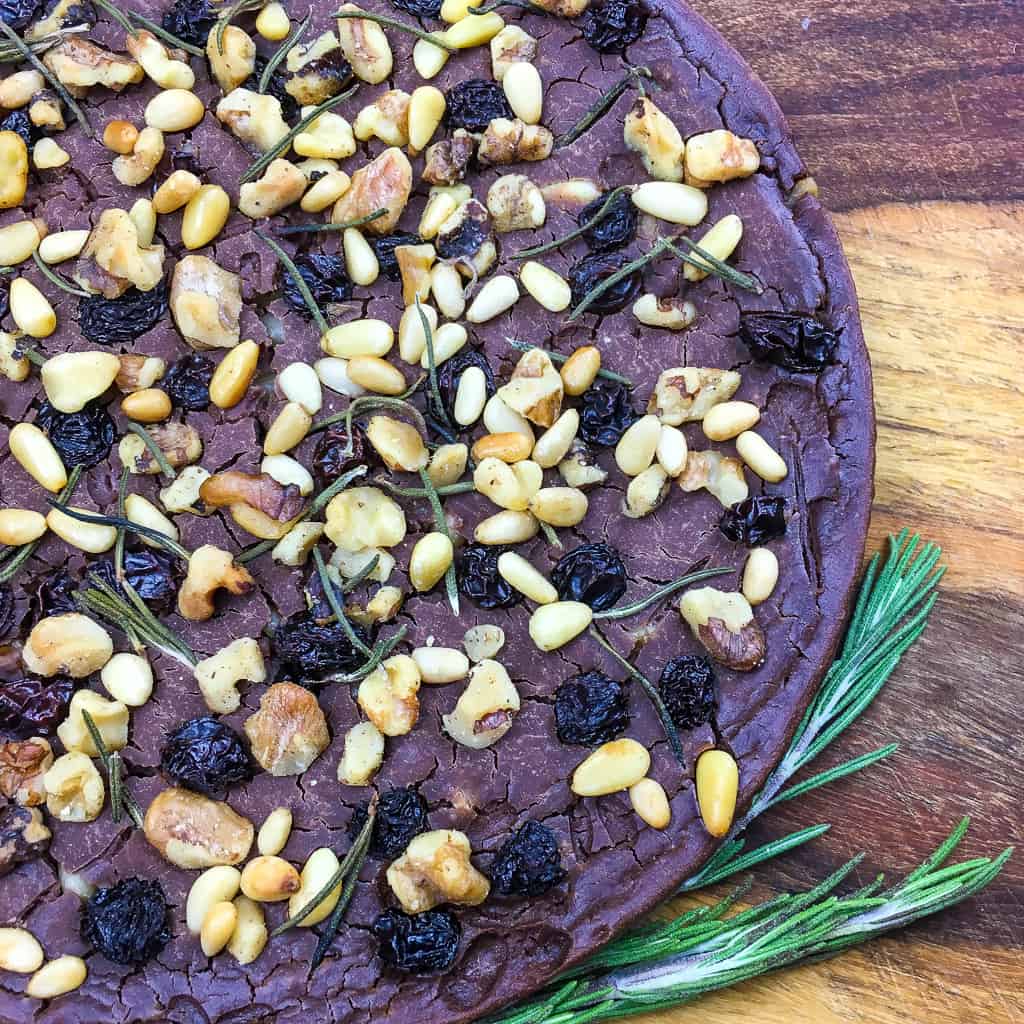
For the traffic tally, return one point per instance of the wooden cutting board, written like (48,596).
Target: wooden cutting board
(909,114)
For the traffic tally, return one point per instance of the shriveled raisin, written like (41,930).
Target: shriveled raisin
(616,229)
(529,863)
(326,278)
(118,321)
(18,121)
(755,521)
(614,25)
(187,382)
(19,14)
(206,755)
(419,8)
(385,247)
(55,594)
(594,270)
(310,650)
(450,373)
(418,943)
(794,341)
(592,573)
(81,438)
(687,688)
(190,20)
(335,455)
(33,707)
(591,709)
(606,412)
(401,816)
(153,575)
(475,103)
(127,923)
(479,579)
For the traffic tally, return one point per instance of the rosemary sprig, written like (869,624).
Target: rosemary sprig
(441,523)
(339,612)
(549,534)
(633,78)
(129,19)
(662,592)
(308,229)
(388,22)
(17,558)
(120,796)
(703,260)
(54,278)
(557,357)
(627,269)
(606,207)
(122,495)
(154,449)
(380,652)
(435,390)
(445,491)
(523,5)
(122,523)
(364,573)
(300,283)
(282,52)
(229,15)
(365,404)
(9,53)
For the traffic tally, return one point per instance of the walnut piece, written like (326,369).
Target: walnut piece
(315,72)
(79,65)
(206,302)
(652,134)
(447,161)
(509,142)
(210,569)
(486,708)
(684,394)
(435,869)
(113,260)
(22,767)
(71,644)
(720,475)
(180,443)
(724,623)
(218,676)
(258,490)
(74,788)
(364,517)
(193,831)
(389,697)
(282,185)
(253,118)
(289,732)
(510,46)
(535,389)
(384,183)
(468,230)
(515,203)
(23,836)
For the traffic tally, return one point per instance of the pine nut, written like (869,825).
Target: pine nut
(90,537)
(506,527)
(217,927)
(320,867)
(273,23)
(446,287)
(473,31)
(471,397)
(500,418)
(58,247)
(559,506)
(447,464)
(143,216)
(363,754)
(761,457)
(120,137)
(524,91)
(412,340)
(671,201)
(128,678)
(430,559)
(718,779)
(299,383)
(359,338)
(672,451)
(554,625)
(530,477)
(528,580)
(669,312)
(47,155)
(376,375)
(554,444)
(37,456)
(646,491)
(31,310)
(498,295)
(267,879)
(13,170)
(496,480)
(142,511)
(426,108)
(174,110)
(20,951)
(333,374)
(637,446)
(250,934)
(233,375)
(650,801)
(213,886)
(611,768)
(289,428)
(579,371)
(727,420)
(360,259)
(455,10)
(17,90)
(274,832)
(175,192)
(20,526)
(448,339)
(439,665)
(510,447)
(205,216)
(441,204)
(483,642)
(428,59)
(545,286)
(286,470)
(719,156)
(719,241)
(57,978)
(760,575)
(325,192)
(150,405)
(18,241)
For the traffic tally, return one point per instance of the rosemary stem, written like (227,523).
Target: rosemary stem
(339,612)
(550,535)
(299,281)
(606,207)
(282,52)
(435,389)
(703,260)
(462,487)
(306,229)
(21,555)
(122,494)
(613,279)
(34,356)
(122,523)
(124,797)
(154,449)
(496,5)
(54,278)
(367,570)
(371,403)
(388,22)
(441,522)
(666,591)
(602,106)
(380,652)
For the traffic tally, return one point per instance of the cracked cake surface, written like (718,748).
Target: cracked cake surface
(615,866)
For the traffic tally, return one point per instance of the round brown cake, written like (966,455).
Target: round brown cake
(529,799)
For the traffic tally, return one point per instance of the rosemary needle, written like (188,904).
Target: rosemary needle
(300,282)
(606,207)
(435,390)
(122,523)
(311,229)
(442,525)
(602,106)
(662,592)
(123,796)
(660,247)
(339,612)
(433,38)
(154,449)
(54,278)
(282,52)
(523,5)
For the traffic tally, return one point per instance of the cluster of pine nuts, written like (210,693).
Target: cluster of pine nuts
(21,953)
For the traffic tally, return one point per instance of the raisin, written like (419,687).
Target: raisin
(755,521)
(127,923)
(311,650)
(384,249)
(187,382)
(614,25)
(528,864)
(276,86)
(419,8)
(81,438)
(326,278)
(18,121)
(401,816)
(591,271)
(479,579)
(206,755)
(606,412)
(335,456)
(33,707)
(450,373)
(19,14)
(418,943)
(118,321)
(56,593)
(153,575)
(616,229)
(794,341)
(687,687)
(474,104)
(465,239)
(6,609)
(190,20)
(5,295)
(591,709)
(21,838)
(591,573)
(185,158)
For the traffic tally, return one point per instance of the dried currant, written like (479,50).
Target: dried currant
(310,650)
(56,593)
(334,454)
(6,610)
(18,121)
(81,438)
(614,25)
(606,413)
(187,382)
(23,837)
(687,687)
(326,278)
(591,271)
(153,575)
(591,573)
(450,373)
(113,321)
(401,816)
(19,14)
(384,249)
(479,579)
(419,8)
(616,229)
(127,923)
(794,341)
(33,707)
(591,709)
(755,521)
(474,104)
(528,864)
(418,943)
(190,20)
(206,755)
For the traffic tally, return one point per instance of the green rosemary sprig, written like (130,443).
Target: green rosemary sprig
(128,20)
(703,260)
(445,491)
(233,11)
(122,523)
(662,592)
(364,573)
(309,229)
(122,495)
(19,556)
(293,272)
(558,358)
(523,5)
(435,389)
(339,612)
(606,208)
(9,52)
(441,523)
(550,535)
(154,449)
(365,404)
(626,270)
(54,278)
(380,652)
(282,52)
(386,21)
(633,78)
(120,797)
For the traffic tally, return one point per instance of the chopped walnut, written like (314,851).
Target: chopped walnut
(510,46)
(316,72)
(386,118)
(206,302)
(113,259)
(684,394)
(718,474)
(180,443)
(447,161)
(515,203)
(289,732)
(435,869)
(234,59)
(366,47)
(719,156)
(253,118)
(79,65)
(23,836)
(210,569)
(218,675)
(74,788)
(384,183)
(652,134)
(485,709)
(563,8)
(364,517)
(724,623)
(389,695)
(22,766)
(509,142)
(535,389)
(139,372)
(46,111)
(260,490)
(282,185)
(193,831)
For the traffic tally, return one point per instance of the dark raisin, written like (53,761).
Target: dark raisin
(385,247)
(206,755)
(190,20)
(794,341)
(5,296)
(118,321)
(401,817)
(185,158)
(418,943)
(450,373)
(19,14)
(33,707)
(755,521)
(475,103)
(81,438)
(18,121)
(479,579)
(606,413)
(153,575)
(419,8)
(591,271)
(591,573)
(528,864)
(687,686)
(326,278)
(276,86)
(335,456)
(591,709)
(614,25)
(7,607)
(467,237)
(22,839)
(616,229)
(187,382)
(56,593)
(310,650)
(127,923)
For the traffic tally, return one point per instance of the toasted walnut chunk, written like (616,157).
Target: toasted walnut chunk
(193,831)
(23,836)
(289,731)
(260,490)
(384,183)
(13,365)
(282,185)
(181,495)
(447,161)
(233,59)
(218,676)
(719,156)
(210,569)
(206,302)
(71,644)
(724,623)
(386,118)
(139,372)
(363,755)
(718,474)
(169,68)
(46,111)
(486,708)
(511,45)
(79,65)
(114,259)
(109,716)
(253,118)
(651,133)
(316,72)
(684,394)
(506,141)
(364,517)
(535,389)
(515,203)
(23,763)
(389,697)
(74,788)
(435,869)
(365,47)
(180,443)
